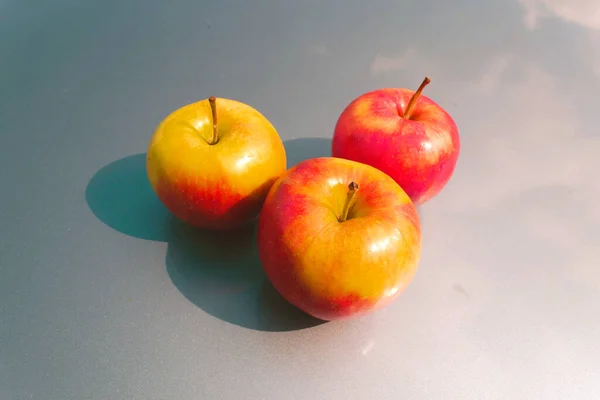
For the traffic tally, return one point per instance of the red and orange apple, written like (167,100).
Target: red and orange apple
(338,238)
(404,134)
(213,162)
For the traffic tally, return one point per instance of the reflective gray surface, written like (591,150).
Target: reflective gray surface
(102,296)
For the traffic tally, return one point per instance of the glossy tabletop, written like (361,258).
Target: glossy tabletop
(104,296)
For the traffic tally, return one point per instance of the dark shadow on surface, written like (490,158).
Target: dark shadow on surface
(219,272)
(298,150)
(120,196)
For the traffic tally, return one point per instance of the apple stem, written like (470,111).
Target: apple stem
(352,189)
(213,107)
(415,97)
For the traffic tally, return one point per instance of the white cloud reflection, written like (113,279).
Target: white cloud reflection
(582,12)
(383,63)
(526,186)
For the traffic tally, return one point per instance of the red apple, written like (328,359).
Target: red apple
(213,162)
(338,238)
(404,134)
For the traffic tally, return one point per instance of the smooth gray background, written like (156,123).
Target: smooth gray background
(103,295)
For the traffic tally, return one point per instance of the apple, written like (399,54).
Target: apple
(212,162)
(338,238)
(404,134)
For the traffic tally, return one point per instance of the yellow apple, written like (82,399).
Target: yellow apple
(213,162)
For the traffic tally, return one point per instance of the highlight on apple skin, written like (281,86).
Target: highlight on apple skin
(338,238)
(404,134)
(212,162)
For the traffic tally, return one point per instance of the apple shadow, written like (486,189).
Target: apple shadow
(120,196)
(219,272)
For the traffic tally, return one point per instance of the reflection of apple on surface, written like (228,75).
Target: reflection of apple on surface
(404,134)
(338,238)
(212,162)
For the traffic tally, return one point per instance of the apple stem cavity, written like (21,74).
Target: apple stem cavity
(352,189)
(213,107)
(415,97)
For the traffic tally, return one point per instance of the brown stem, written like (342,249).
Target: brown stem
(213,107)
(415,97)
(352,189)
